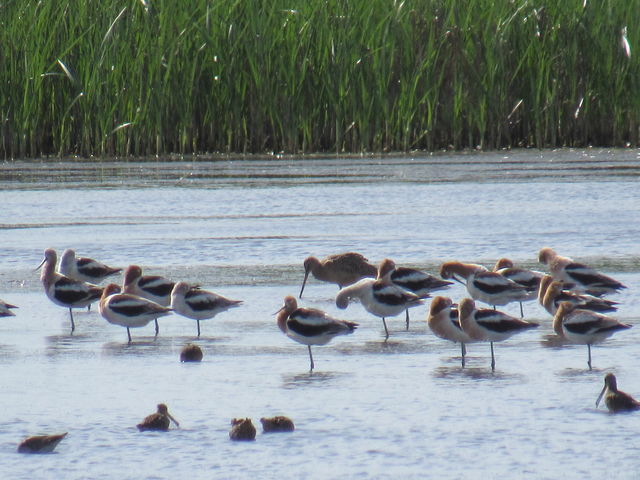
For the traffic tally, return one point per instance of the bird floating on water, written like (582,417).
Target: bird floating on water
(277,424)
(341,268)
(5,309)
(160,421)
(191,353)
(41,443)
(614,399)
(242,429)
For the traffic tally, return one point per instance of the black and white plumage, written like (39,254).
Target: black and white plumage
(152,287)
(197,304)
(63,290)
(554,295)
(41,443)
(444,322)
(581,277)
(84,269)
(5,309)
(127,310)
(529,279)
(488,287)
(489,325)
(415,281)
(310,326)
(380,297)
(584,327)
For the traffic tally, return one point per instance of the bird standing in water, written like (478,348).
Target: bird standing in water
(614,399)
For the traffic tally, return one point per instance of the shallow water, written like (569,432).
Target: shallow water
(404,408)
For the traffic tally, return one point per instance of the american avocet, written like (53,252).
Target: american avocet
(128,310)
(40,443)
(310,326)
(583,277)
(5,309)
(277,424)
(416,281)
(488,287)
(158,421)
(529,279)
(489,325)
(380,297)
(63,290)
(554,295)
(191,353)
(614,399)
(342,269)
(152,287)
(584,327)
(84,269)
(242,429)
(444,322)
(197,304)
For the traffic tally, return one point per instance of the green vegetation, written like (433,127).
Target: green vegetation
(152,77)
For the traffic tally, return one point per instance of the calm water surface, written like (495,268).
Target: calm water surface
(401,409)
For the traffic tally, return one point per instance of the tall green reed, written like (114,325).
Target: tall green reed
(144,77)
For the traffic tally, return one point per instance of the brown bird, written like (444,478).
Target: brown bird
(277,424)
(40,443)
(242,430)
(191,353)
(614,399)
(158,420)
(342,269)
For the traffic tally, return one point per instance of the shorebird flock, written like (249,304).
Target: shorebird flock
(571,292)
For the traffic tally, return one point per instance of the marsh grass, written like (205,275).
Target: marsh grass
(144,77)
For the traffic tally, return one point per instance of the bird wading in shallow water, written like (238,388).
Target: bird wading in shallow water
(584,327)
(614,399)
(342,269)
(160,421)
(310,326)
(581,277)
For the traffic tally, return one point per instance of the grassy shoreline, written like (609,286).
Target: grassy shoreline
(234,76)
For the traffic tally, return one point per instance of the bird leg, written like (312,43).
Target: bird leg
(157,327)
(129,334)
(310,359)
(407,312)
(386,331)
(493,360)
(73,325)
(198,328)
(463,350)
(589,350)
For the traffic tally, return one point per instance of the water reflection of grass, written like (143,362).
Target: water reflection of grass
(156,77)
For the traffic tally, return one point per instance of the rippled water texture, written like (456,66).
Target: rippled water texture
(400,409)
